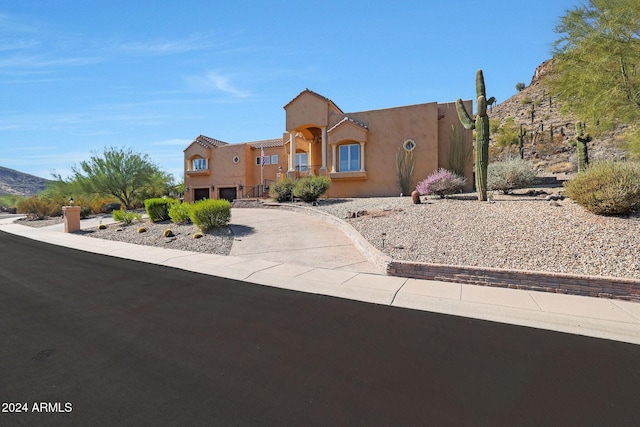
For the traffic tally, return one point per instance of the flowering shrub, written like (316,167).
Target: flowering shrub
(510,174)
(442,182)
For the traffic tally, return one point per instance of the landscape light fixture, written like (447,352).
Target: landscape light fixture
(384,237)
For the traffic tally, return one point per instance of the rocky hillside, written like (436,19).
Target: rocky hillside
(19,183)
(549,131)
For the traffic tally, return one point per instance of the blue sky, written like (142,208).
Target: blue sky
(77,76)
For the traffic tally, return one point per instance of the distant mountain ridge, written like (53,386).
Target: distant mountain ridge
(19,183)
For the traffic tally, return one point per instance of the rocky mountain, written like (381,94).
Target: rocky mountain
(19,183)
(550,132)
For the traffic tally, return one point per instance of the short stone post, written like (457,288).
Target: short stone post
(71,218)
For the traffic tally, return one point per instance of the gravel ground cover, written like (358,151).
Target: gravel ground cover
(513,231)
(217,241)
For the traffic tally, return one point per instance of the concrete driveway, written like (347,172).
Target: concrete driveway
(283,236)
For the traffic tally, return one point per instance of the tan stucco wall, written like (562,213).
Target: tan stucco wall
(388,129)
(224,173)
(448,116)
(384,133)
(307,109)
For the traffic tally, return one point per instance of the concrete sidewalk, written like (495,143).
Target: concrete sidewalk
(595,317)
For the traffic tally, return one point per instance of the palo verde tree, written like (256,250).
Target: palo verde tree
(596,70)
(123,174)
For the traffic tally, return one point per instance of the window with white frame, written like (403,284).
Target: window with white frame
(198,164)
(259,160)
(301,162)
(274,159)
(349,157)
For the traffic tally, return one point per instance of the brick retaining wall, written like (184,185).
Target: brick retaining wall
(594,286)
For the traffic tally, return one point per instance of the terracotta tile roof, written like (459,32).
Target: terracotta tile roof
(324,98)
(207,142)
(348,119)
(267,143)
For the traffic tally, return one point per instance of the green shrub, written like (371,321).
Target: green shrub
(158,208)
(210,213)
(85,211)
(281,190)
(126,217)
(510,174)
(607,188)
(309,188)
(179,213)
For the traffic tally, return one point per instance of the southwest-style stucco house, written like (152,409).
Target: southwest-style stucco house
(357,151)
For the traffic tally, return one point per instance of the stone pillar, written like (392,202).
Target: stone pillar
(333,158)
(323,169)
(292,152)
(71,218)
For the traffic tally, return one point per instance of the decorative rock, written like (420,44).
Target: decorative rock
(415,196)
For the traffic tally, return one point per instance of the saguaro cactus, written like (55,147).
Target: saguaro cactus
(581,146)
(521,135)
(481,126)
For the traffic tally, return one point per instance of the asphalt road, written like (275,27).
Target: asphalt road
(92,340)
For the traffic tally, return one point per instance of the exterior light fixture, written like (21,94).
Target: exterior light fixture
(71,201)
(384,237)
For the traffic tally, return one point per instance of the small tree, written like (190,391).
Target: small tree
(520,86)
(121,173)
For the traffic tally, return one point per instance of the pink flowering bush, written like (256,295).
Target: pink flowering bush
(442,182)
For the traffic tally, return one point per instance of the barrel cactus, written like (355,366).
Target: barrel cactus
(481,126)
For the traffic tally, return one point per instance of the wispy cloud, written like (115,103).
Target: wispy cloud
(45,61)
(166,47)
(217,81)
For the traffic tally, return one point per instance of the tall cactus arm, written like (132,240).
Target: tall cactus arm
(480,90)
(464,117)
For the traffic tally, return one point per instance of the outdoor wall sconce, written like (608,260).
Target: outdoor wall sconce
(186,188)
(212,187)
(384,237)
